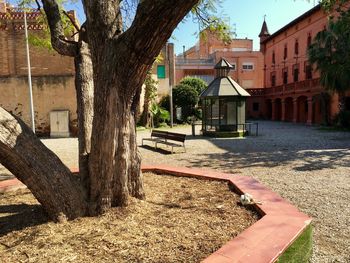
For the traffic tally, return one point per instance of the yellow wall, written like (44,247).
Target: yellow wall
(49,93)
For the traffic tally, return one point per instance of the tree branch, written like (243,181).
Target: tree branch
(58,39)
(149,31)
(73,21)
(104,18)
(38,4)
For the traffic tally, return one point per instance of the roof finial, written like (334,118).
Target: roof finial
(264,18)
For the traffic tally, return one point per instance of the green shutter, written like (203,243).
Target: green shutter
(161,71)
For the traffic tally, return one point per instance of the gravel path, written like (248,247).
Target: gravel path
(309,167)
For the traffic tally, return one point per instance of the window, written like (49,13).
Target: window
(308,71)
(256,106)
(306,106)
(273,79)
(248,66)
(161,71)
(285,52)
(285,75)
(309,39)
(296,47)
(296,73)
(273,58)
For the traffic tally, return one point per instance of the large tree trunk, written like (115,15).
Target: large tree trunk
(50,181)
(114,160)
(325,104)
(120,62)
(127,176)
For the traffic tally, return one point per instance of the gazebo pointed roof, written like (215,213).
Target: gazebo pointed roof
(223,64)
(225,87)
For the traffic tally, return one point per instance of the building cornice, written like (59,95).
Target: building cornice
(293,23)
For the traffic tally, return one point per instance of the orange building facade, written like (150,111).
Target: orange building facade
(292,91)
(283,85)
(199,61)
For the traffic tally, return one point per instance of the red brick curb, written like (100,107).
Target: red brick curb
(268,238)
(264,241)
(10,185)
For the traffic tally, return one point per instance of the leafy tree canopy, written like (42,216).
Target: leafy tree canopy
(198,84)
(185,97)
(204,13)
(329,5)
(330,52)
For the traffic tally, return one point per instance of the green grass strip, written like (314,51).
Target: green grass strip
(301,249)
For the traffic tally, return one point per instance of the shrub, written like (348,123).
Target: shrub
(198,84)
(343,119)
(160,116)
(165,102)
(185,97)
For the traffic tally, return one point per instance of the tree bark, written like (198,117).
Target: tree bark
(120,64)
(50,181)
(85,93)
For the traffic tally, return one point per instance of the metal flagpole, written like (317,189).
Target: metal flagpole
(171,63)
(29,74)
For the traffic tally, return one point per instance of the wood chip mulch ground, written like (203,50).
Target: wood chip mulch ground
(182,220)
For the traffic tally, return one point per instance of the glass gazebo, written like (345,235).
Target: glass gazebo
(224,105)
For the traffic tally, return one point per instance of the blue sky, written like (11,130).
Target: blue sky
(244,15)
(247,15)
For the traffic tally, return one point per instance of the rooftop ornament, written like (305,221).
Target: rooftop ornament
(223,104)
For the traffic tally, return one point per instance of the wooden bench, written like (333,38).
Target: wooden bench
(171,139)
(156,136)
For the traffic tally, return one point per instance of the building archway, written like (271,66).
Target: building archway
(302,109)
(289,108)
(347,103)
(278,109)
(268,113)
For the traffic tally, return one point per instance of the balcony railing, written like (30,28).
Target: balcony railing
(308,85)
(202,62)
(256,92)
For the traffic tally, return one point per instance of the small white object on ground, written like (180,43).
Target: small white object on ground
(247,199)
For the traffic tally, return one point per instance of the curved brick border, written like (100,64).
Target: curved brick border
(269,237)
(264,241)
(10,185)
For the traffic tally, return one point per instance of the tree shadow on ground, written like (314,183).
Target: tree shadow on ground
(305,161)
(305,148)
(20,217)
(153,149)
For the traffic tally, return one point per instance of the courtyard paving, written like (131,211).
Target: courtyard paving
(307,166)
